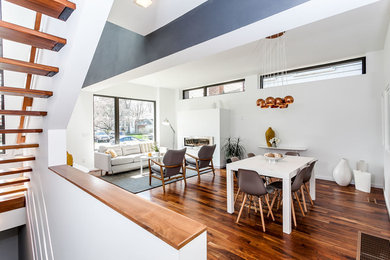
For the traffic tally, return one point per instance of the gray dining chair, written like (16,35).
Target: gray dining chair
(292,153)
(203,162)
(251,184)
(304,187)
(235,159)
(295,187)
(172,167)
(251,155)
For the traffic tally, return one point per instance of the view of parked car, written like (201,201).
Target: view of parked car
(101,137)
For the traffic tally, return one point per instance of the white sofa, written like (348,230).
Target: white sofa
(128,157)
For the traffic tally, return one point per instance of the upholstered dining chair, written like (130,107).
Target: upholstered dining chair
(235,159)
(295,187)
(292,153)
(203,162)
(306,179)
(251,184)
(172,167)
(251,155)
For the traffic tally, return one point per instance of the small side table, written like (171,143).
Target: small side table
(146,157)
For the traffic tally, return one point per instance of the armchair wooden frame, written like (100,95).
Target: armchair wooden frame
(163,179)
(197,159)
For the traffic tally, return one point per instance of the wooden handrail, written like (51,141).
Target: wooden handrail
(175,229)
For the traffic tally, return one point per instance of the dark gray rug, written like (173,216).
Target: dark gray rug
(134,182)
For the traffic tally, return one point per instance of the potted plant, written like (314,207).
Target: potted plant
(156,149)
(233,148)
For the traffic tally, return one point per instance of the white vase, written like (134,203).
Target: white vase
(342,173)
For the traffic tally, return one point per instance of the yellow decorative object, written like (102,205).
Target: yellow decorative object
(269,134)
(112,153)
(69,159)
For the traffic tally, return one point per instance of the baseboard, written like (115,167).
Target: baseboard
(330,178)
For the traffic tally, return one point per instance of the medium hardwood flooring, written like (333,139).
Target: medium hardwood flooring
(329,230)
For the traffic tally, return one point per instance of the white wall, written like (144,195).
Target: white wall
(386,83)
(337,118)
(80,128)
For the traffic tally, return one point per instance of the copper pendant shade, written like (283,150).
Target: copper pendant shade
(271,102)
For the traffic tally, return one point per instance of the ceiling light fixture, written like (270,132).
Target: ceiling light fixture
(143,3)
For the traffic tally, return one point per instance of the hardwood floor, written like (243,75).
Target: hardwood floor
(329,230)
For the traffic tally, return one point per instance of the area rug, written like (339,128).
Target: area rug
(134,182)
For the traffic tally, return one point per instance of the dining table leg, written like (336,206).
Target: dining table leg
(229,190)
(287,205)
(313,185)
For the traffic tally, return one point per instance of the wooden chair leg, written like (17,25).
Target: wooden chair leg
(303,199)
(299,203)
(308,192)
(184,175)
(269,208)
(280,201)
(273,201)
(162,179)
(150,174)
(197,168)
(212,166)
(254,204)
(261,214)
(242,207)
(293,211)
(250,204)
(238,193)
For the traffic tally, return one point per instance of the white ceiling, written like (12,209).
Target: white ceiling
(127,14)
(350,34)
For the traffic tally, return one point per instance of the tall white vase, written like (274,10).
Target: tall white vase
(342,173)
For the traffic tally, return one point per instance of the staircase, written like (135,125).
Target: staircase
(13,182)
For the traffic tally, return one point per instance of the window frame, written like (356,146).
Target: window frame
(116,115)
(214,85)
(362,59)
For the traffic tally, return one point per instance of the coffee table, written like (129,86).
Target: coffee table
(146,157)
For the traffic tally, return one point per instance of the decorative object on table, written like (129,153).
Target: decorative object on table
(273,157)
(361,165)
(156,149)
(269,134)
(342,173)
(166,122)
(233,148)
(274,58)
(274,141)
(69,159)
(362,180)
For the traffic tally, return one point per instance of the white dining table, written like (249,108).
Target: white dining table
(284,169)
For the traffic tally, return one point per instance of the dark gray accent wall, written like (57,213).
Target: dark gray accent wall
(120,50)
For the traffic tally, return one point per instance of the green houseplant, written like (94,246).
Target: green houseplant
(233,148)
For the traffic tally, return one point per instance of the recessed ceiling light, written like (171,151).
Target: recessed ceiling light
(143,3)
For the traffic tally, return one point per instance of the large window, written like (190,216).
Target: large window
(216,89)
(320,72)
(123,120)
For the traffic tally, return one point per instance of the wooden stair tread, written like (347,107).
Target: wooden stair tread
(12,201)
(20,131)
(22,113)
(17,146)
(15,170)
(18,158)
(27,67)
(31,37)
(13,181)
(12,189)
(60,9)
(33,93)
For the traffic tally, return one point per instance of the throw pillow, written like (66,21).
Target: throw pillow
(112,153)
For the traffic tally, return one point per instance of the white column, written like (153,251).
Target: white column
(229,190)
(287,204)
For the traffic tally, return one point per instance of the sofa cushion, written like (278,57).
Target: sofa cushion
(135,157)
(130,149)
(146,147)
(122,160)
